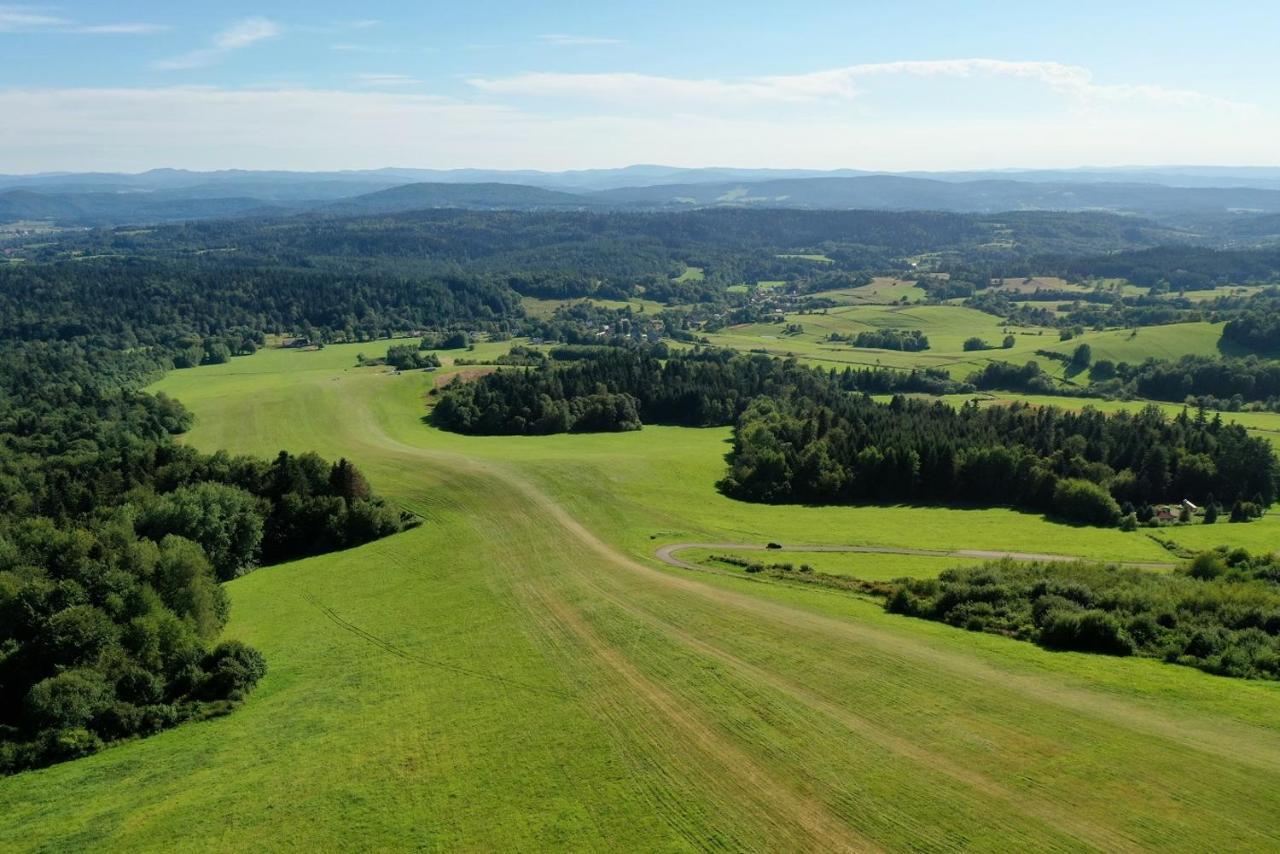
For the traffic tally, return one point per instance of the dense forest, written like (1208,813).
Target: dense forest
(222,308)
(1174,267)
(1220,612)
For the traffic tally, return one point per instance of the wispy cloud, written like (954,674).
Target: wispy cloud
(348,47)
(244,33)
(34,19)
(239,35)
(566,40)
(376,79)
(837,84)
(132,29)
(15,19)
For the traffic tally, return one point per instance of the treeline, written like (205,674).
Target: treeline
(608,389)
(1087,467)
(1222,383)
(1229,382)
(113,540)
(1220,612)
(1256,331)
(586,389)
(1175,267)
(402,357)
(909,340)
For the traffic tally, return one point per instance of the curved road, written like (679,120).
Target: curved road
(667,554)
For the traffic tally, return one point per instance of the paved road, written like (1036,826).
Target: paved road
(667,554)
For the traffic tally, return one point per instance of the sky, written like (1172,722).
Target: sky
(133,85)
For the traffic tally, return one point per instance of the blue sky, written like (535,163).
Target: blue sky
(553,85)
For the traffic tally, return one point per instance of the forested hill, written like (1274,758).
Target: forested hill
(108,200)
(486,196)
(521,240)
(177,304)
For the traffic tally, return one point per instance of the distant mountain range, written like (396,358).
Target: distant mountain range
(165,195)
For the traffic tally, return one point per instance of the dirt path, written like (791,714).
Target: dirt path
(1056,815)
(667,554)
(1210,736)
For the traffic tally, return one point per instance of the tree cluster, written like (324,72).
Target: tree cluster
(1085,466)
(697,388)
(909,340)
(1220,612)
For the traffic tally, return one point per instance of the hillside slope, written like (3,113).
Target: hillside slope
(505,678)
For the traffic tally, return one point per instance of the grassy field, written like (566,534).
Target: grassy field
(519,673)
(948,327)
(883,290)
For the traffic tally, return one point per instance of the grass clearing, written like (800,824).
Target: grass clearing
(690,274)
(883,290)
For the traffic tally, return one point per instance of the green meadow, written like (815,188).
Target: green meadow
(947,328)
(520,672)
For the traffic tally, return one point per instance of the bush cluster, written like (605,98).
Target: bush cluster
(1220,612)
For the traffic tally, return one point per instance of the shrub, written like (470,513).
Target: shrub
(232,669)
(1086,631)
(1085,501)
(1207,566)
(224,520)
(1220,612)
(67,701)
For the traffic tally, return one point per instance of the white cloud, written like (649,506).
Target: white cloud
(22,18)
(25,19)
(300,128)
(837,84)
(133,29)
(348,47)
(244,33)
(239,35)
(376,79)
(566,40)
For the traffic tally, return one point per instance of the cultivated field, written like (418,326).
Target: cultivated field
(521,673)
